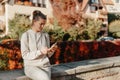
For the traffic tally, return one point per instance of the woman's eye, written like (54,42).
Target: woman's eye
(41,24)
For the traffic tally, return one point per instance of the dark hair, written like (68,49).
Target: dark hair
(38,14)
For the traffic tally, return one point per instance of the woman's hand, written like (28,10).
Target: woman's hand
(44,50)
(53,48)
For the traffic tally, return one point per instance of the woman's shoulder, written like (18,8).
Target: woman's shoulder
(45,33)
(26,33)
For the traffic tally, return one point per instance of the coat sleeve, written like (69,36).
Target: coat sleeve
(26,53)
(48,44)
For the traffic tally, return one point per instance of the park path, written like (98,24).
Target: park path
(10,75)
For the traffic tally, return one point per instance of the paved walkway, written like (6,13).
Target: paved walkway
(114,77)
(10,75)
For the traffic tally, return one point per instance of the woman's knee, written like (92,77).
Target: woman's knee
(41,77)
(38,74)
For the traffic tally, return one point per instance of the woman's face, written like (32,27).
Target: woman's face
(39,24)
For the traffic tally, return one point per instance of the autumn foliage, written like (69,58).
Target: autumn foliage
(68,51)
(10,55)
(66,12)
(71,51)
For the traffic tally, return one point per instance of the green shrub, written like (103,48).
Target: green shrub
(55,31)
(114,28)
(3,65)
(18,25)
(87,31)
(4,61)
(93,27)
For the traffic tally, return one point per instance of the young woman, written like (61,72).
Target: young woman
(35,49)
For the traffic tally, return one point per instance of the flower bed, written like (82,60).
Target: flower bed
(69,51)
(10,56)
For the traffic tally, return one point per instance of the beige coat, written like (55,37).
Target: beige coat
(31,45)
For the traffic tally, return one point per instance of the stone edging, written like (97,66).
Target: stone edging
(73,68)
(85,66)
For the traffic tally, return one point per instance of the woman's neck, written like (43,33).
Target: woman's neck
(35,30)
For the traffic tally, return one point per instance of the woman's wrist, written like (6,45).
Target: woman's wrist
(41,52)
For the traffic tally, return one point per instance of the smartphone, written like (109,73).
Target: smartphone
(55,44)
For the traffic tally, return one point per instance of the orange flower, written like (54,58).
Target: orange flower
(12,64)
